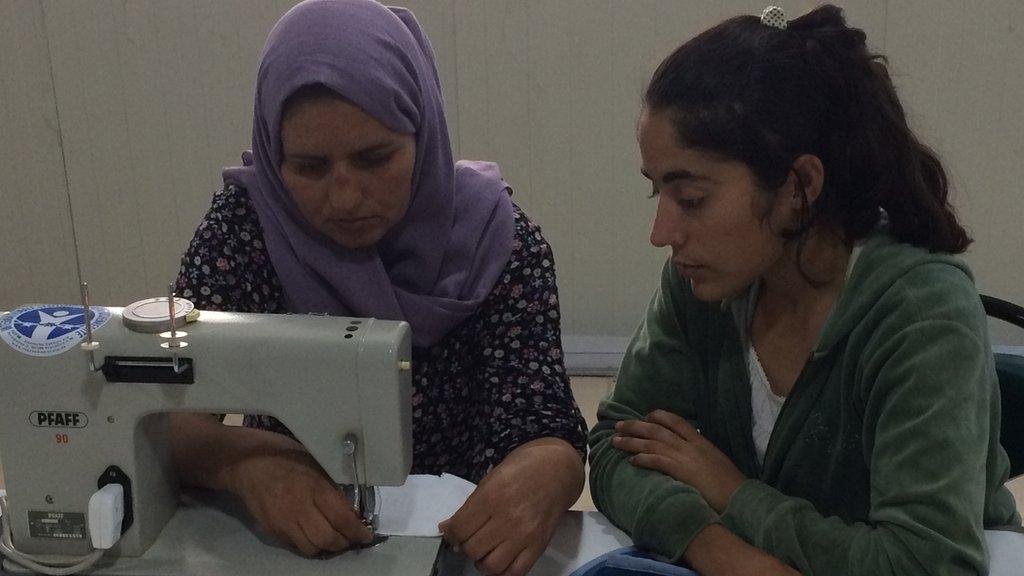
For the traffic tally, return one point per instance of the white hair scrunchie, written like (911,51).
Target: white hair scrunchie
(775,17)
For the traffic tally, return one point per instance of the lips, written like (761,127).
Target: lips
(348,222)
(688,270)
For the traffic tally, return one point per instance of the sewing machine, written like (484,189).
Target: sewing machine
(86,404)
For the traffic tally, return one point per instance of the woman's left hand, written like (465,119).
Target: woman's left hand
(508,520)
(668,443)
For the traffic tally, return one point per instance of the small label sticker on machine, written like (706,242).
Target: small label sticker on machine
(48,329)
(57,525)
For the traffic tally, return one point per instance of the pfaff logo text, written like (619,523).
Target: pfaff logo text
(59,419)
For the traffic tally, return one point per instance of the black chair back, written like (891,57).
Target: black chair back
(1010,369)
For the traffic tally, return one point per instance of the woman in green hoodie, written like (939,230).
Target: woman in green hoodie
(812,386)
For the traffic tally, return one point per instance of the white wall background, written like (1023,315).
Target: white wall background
(116,117)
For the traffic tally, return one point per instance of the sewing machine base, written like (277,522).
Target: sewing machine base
(210,534)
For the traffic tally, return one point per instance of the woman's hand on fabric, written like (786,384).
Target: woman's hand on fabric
(507,522)
(294,501)
(668,443)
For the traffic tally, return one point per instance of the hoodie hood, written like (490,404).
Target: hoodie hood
(882,263)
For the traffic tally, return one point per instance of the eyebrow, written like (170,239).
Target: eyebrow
(373,149)
(383,146)
(678,175)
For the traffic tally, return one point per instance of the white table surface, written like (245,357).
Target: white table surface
(209,535)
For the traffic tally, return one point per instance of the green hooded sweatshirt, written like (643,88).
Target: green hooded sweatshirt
(885,458)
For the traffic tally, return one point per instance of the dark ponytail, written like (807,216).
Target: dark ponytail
(765,96)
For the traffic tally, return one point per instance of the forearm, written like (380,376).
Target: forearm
(207,453)
(717,551)
(554,462)
(658,512)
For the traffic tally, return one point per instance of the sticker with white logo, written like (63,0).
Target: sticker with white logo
(48,329)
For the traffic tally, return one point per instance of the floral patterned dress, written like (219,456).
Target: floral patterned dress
(493,383)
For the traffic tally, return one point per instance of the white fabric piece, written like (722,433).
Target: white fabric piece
(419,505)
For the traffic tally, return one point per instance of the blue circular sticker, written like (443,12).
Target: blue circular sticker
(48,329)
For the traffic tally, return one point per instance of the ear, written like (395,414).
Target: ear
(806,180)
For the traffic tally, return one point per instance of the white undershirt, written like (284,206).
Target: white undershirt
(765,405)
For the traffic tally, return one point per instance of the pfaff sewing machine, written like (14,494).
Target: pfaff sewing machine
(85,403)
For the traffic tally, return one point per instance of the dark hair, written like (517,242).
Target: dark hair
(306,93)
(765,96)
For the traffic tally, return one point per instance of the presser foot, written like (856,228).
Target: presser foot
(378,539)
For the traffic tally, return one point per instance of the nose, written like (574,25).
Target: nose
(346,192)
(668,228)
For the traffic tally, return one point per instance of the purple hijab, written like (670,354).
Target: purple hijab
(436,266)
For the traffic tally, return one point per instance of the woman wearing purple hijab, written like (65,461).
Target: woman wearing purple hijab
(350,204)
